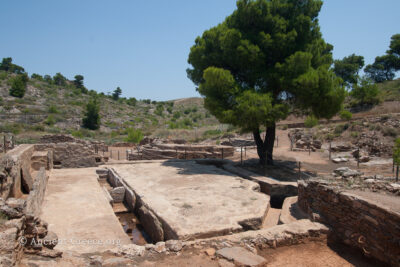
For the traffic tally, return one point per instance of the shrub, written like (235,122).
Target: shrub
(53,109)
(346,115)
(131,101)
(37,76)
(366,93)
(59,79)
(354,134)
(340,128)
(134,136)
(77,134)
(210,133)
(310,122)
(3,75)
(18,86)
(51,120)
(389,131)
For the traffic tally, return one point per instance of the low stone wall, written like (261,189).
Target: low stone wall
(71,155)
(36,196)
(182,151)
(356,221)
(15,171)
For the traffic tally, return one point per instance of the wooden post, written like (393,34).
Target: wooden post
(127,155)
(118,154)
(245,148)
(299,173)
(222,153)
(5,144)
(330,149)
(241,155)
(393,166)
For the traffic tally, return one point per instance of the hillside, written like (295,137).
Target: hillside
(49,108)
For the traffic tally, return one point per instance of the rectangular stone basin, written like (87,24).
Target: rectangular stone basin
(194,201)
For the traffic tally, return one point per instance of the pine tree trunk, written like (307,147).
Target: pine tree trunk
(265,148)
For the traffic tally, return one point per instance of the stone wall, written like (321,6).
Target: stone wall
(71,155)
(15,172)
(36,196)
(356,221)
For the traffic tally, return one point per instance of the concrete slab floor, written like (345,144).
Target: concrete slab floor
(77,210)
(195,200)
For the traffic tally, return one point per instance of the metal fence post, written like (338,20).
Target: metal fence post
(222,153)
(5,144)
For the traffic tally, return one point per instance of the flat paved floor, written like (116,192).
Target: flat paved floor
(195,200)
(77,210)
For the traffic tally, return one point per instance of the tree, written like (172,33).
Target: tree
(395,50)
(116,94)
(348,68)
(78,82)
(37,76)
(383,69)
(47,78)
(59,79)
(266,57)
(366,92)
(8,66)
(131,101)
(92,115)
(18,85)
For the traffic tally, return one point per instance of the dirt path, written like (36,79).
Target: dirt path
(78,212)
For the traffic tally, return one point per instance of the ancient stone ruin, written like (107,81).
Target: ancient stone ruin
(63,201)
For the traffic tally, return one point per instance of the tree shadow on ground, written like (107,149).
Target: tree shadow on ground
(190,167)
(353,255)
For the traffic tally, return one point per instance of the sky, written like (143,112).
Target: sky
(142,46)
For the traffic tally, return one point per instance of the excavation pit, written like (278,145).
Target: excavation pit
(184,200)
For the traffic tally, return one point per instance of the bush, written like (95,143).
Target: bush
(18,86)
(389,131)
(77,134)
(366,93)
(210,133)
(354,134)
(51,120)
(311,122)
(53,109)
(3,75)
(346,115)
(134,136)
(340,128)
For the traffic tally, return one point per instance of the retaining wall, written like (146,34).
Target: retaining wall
(356,221)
